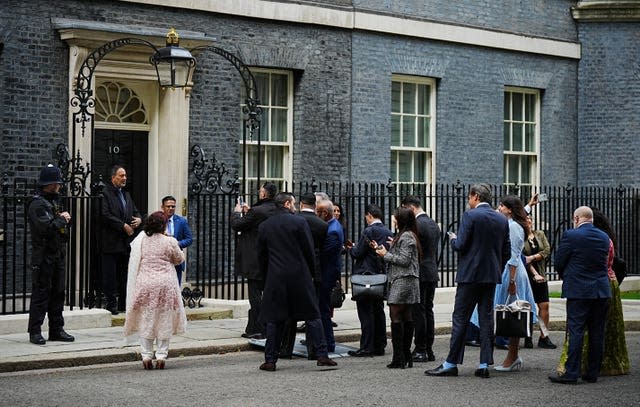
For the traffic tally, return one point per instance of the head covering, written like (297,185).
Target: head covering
(50,175)
(308,198)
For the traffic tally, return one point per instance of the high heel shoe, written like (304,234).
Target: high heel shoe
(514,367)
(147,364)
(160,364)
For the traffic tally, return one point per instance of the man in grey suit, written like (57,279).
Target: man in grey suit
(484,247)
(581,262)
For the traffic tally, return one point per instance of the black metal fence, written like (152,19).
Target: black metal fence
(210,266)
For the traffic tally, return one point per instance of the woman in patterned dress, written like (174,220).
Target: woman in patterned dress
(403,285)
(154,305)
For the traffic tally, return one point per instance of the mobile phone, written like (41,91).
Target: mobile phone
(542,197)
(240,201)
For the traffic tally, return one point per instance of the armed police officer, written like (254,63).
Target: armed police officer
(49,235)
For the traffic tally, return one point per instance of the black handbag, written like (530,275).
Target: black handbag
(619,267)
(337,296)
(514,320)
(368,286)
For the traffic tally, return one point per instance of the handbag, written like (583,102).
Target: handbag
(337,296)
(619,267)
(514,320)
(368,286)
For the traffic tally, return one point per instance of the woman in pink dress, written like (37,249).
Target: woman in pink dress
(154,304)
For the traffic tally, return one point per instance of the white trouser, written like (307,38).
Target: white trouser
(147,348)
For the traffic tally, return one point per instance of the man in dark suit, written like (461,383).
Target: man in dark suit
(318,229)
(178,227)
(484,248)
(245,221)
(429,236)
(330,261)
(373,322)
(581,262)
(120,218)
(285,253)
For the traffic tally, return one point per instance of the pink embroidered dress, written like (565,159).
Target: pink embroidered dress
(154,302)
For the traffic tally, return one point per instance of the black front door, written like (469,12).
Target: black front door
(128,149)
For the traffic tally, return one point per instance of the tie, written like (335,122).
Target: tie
(170,227)
(122,200)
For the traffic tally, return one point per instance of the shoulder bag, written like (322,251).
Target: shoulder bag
(337,296)
(368,286)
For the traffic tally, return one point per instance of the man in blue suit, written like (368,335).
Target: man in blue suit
(581,262)
(484,247)
(177,227)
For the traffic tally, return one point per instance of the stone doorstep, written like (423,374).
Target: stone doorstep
(193,314)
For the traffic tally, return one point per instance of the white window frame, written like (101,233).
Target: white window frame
(430,151)
(265,125)
(509,153)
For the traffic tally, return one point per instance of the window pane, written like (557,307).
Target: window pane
(530,137)
(262,83)
(252,167)
(507,105)
(395,130)
(530,107)
(513,169)
(507,136)
(264,126)
(517,106)
(423,99)
(278,125)
(408,131)
(279,90)
(404,166)
(419,167)
(525,168)
(395,97)
(274,160)
(517,137)
(394,166)
(408,98)
(423,132)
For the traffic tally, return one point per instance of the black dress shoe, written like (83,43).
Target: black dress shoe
(360,353)
(268,366)
(475,344)
(325,361)
(528,343)
(430,356)
(301,328)
(441,371)
(482,372)
(589,379)
(258,336)
(37,339)
(112,310)
(546,343)
(420,357)
(61,336)
(562,380)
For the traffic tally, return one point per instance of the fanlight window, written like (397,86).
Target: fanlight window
(116,103)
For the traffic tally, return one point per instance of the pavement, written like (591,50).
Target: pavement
(213,329)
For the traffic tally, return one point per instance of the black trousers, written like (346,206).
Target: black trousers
(47,295)
(274,339)
(423,318)
(467,296)
(254,324)
(372,324)
(581,314)
(114,279)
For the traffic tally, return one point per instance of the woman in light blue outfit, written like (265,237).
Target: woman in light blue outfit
(514,277)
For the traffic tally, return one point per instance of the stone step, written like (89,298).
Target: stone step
(193,314)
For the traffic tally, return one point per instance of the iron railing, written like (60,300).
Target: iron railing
(210,267)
